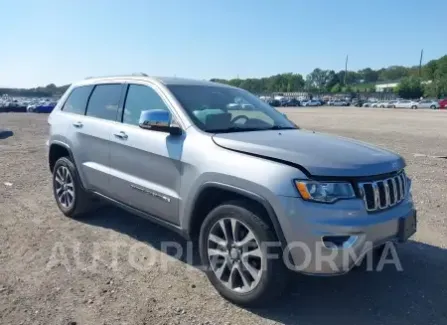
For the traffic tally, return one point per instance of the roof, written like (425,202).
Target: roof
(167,81)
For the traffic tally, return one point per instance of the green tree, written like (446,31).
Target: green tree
(436,71)
(319,79)
(392,73)
(410,87)
(286,82)
(368,75)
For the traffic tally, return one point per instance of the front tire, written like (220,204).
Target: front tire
(233,249)
(70,196)
(433,107)
(414,107)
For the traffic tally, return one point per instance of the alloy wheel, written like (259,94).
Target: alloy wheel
(64,186)
(235,255)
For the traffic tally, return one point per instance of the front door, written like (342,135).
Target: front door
(145,165)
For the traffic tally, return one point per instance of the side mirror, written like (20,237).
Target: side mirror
(158,120)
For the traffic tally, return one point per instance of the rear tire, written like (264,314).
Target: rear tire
(246,281)
(72,199)
(414,107)
(433,107)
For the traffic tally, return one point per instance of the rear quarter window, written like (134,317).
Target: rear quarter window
(77,100)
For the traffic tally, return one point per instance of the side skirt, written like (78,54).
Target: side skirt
(144,215)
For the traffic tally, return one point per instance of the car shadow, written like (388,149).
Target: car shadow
(416,295)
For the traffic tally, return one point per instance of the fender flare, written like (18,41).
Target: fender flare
(60,144)
(248,194)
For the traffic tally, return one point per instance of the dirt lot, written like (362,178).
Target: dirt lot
(54,270)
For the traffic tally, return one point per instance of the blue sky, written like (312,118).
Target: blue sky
(63,41)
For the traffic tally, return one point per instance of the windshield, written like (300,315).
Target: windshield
(223,109)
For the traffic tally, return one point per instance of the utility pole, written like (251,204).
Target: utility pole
(420,63)
(346,69)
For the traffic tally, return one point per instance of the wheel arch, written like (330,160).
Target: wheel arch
(203,203)
(57,150)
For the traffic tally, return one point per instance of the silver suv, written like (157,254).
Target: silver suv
(220,166)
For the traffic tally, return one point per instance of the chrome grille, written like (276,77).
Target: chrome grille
(385,193)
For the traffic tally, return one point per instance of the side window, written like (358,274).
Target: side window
(77,100)
(140,98)
(104,101)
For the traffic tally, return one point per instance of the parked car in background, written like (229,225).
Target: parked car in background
(45,108)
(378,104)
(358,102)
(368,103)
(390,104)
(274,102)
(427,103)
(339,102)
(311,102)
(291,102)
(15,106)
(406,103)
(30,108)
(443,103)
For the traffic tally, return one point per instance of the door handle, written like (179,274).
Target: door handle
(78,124)
(121,135)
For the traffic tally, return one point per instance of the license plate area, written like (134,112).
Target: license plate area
(407,227)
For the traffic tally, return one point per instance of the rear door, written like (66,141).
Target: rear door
(69,123)
(146,164)
(94,133)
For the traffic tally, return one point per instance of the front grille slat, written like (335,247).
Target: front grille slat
(396,198)
(392,191)
(399,187)
(376,196)
(387,193)
(403,184)
(383,194)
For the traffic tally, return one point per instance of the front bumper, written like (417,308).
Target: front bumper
(329,239)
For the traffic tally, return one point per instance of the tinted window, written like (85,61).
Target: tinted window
(140,98)
(77,100)
(104,102)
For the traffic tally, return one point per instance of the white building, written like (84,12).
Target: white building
(386,87)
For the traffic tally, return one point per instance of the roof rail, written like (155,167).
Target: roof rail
(141,74)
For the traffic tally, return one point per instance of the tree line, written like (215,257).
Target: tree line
(430,80)
(412,80)
(50,90)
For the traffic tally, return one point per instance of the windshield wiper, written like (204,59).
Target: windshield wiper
(241,129)
(279,127)
(233,129)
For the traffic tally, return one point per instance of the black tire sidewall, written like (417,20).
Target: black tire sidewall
(263,234)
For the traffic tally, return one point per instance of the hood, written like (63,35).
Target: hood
(320,154)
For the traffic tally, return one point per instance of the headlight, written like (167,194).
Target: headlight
(326,192)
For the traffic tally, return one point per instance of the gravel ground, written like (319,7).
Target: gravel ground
(54,270)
